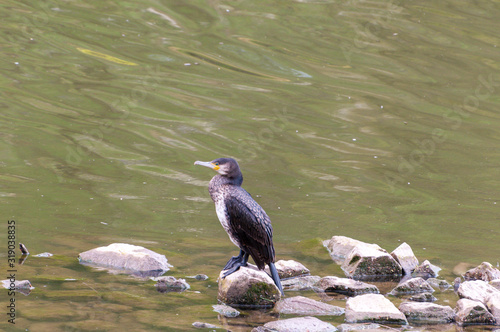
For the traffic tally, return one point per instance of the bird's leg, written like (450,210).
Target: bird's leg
(234,260)
(238,262)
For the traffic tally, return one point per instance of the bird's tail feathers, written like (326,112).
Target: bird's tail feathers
(276,277)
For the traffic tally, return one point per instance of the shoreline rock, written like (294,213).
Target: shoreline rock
(373,308)
(300,305)
(346,286)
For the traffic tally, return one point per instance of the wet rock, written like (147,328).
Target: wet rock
(17,284)
(44,255)
(300,283)
(346,286)
(405,257)
(493,305)
(298,324)
(427,313)
(373,308)
(360,327)
(299,305)
(198,277)
(485,271)
(127,258)
(470,312)
(171,284)
(289,269)
(438,283)
(226,310)
(370,262)
(339,247)
(412,286)
(477,290)
(456,283)
(248,287)
(201,325)
(423,297)
(426,270)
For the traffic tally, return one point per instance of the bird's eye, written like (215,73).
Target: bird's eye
(217,164)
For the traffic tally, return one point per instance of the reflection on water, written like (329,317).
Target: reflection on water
(374,120)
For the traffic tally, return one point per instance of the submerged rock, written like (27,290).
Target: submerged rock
(226,310)
(198,277)
(426,270)
(298,324)
(423,297)
(171,284)
(485,271)
(471,312)
(289,269)
(127,258)
(201,325)
(427,313)
(361,327)
(248,287)
(17,284)
(300,283)
(412,286)
(44,255)
(405,257)
(373,308)
(346,286)
(299,305)
(477,290)
(439,283)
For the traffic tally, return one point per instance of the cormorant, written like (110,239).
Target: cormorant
(244,220)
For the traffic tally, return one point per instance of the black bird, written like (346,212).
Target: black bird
(244,220)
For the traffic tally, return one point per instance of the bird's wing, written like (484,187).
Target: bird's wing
(252,227)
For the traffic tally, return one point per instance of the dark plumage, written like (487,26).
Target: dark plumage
(244,220)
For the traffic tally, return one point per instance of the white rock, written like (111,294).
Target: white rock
(300,283)
(493,304)
(289,269)
(339,247)
(477,290)
(373,308)
(346,286)
(405,257)
(412,286)
(428,313)
(299,305)
(298,324)
(485,271)
(370,262)
(472,312)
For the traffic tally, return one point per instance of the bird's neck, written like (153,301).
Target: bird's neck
(219,182)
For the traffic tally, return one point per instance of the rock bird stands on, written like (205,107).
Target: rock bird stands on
(244,220)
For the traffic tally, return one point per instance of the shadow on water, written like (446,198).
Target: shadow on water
(374,120)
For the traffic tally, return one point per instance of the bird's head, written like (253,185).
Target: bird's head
(224,166)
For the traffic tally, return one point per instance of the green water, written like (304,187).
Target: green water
(377,120)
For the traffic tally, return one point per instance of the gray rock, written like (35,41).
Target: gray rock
(373,308)
(298,324)
(289,269)
(495,283)
(198,277)
(427,313)
(426,270)
(477,290)
(439,283)
(405,257)
(412,286)
(127,258)
(485,271)
(299,305)
(339,247)
(248,287)
(361,327)
(346,286)
(171,284)
(201,325)
(470,312)
(44,255)
(423,297)
(300,283)
(226,310)
(493,304)
(370,262)
(17,284)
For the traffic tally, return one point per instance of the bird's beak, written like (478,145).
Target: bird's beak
(207,164)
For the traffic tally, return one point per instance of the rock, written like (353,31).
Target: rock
(346,286)
(300,283)
(477,290)
(127,258)
(298,324)
(339,247)
(170,284)
(44,255)
(405,257)
(495,283)
(289,269)
(493,305)
(248,287)
(373,308)
(427,313)
(198,277)
(201,325)
(485,271)
(438,283)
(470,312)
(426,270)
(370,262)
(456,283)
(299,305)
(423,297)
(17,284)
(226,310)
(360,327)
(412,286)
